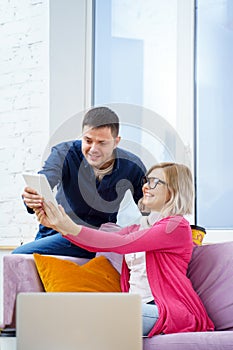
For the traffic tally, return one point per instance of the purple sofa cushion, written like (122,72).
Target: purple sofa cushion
(211,273)
(190,341)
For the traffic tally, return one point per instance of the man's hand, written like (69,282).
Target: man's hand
(31,198)
(56,218)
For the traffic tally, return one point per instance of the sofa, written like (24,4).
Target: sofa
(211,273)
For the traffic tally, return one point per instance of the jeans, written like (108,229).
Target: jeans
(150,315)
(54,245)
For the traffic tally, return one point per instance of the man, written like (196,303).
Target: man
(92,176)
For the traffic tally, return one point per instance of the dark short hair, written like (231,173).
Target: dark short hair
(99,117)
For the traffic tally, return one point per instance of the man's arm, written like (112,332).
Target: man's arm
(53,166)
(52,169)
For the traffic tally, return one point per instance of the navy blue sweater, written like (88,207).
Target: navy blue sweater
(86,200)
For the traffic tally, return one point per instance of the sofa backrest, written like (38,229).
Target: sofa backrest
(211,273)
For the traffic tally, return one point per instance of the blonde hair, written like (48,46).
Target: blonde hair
(179,180)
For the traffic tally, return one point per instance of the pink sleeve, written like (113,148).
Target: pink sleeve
(165,235)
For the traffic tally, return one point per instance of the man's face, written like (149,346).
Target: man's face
(98,145)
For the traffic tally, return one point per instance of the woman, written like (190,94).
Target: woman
(156,254)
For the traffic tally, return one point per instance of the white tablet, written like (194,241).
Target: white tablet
(40,183)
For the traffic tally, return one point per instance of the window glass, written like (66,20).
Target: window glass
(214,108)
(143,70)
(135,54)
(138,49)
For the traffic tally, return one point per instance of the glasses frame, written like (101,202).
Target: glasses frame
(147,180)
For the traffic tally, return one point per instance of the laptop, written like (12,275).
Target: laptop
(78,321)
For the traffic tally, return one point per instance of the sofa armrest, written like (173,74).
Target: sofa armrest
(20,275)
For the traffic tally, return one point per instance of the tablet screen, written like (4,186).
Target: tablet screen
(40,183)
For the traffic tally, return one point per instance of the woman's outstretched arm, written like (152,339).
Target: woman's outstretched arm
(55,217)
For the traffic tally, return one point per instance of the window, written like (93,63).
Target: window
(214,106)
(143,69)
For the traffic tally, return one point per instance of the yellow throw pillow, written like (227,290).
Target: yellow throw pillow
(57,275)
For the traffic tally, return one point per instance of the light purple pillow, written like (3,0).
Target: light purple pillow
(114,258)
(211,273)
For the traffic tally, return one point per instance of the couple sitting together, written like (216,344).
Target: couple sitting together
(92,176)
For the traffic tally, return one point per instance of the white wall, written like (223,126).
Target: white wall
(24,126)
(70,62)
(24,112)
(44,79)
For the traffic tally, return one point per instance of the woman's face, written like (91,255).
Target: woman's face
(155,198)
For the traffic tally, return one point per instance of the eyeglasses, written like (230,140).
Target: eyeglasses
(152,181)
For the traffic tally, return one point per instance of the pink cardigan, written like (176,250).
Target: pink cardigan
(168,246)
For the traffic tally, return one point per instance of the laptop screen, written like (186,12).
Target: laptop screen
(78,321)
